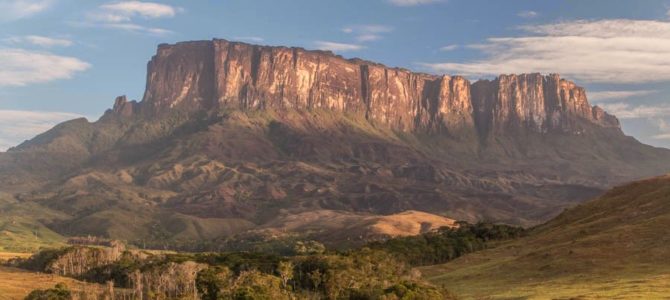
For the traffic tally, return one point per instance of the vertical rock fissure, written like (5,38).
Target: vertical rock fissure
(365,89)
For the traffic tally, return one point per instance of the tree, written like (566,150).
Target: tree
(316,278)
(285,270)
(212,281)
(309,248)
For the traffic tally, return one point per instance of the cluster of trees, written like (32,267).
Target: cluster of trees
(364,274)
(380,270)
(447,243)
(360,274)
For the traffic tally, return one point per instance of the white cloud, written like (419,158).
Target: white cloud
(17,126)
(11,10)
(612,51)
(368,37)
(628,111)
(663,129)
(528,14)
(367,33)
(19,67)
(449,48)
(337,47)
(615,95)
(412,2)
(150,10)
(662,136)
(122,15)
(41,41)
(136,28)
(252,39)
(662,125)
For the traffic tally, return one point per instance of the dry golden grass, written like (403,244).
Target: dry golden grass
(339,225)
(17,284)
(10,255)
(407,223)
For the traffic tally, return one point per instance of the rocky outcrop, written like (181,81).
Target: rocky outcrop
(218,74)
(124,108)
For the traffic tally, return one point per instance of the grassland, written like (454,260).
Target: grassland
(615,247)
(16,283)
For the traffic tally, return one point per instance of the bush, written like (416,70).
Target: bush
(59,292)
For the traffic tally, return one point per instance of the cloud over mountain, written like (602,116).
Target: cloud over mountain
(611,51)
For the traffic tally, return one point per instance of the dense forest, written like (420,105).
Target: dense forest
(380,270)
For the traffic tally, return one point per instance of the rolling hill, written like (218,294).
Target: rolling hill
(613,247)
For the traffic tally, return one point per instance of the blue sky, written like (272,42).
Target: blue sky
(61,59)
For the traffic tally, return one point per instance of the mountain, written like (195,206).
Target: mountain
(231,138)
(613,247)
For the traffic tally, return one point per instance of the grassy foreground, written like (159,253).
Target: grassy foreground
(477,283)
(615,247)
(17,284)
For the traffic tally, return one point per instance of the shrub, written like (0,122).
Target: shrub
(59,292)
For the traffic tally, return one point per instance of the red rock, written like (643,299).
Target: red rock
(205,75)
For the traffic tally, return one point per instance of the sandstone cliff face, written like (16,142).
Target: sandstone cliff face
(536,102)
(217,74)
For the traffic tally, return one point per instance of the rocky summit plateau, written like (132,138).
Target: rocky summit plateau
(233,140)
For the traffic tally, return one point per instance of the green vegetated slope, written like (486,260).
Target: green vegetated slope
(21,227)
(616,246)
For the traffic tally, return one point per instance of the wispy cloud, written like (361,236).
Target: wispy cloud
(42,41)
(663,129)
(528,14)
(11,10)
(367,33)
(122,15)
(662,136)
(137,28)
(449,48)
(612,51)
(252,39)
(337,47)
(19,67)
(630,111)
(412,2)
(127,9)
(616,95)
(17,126)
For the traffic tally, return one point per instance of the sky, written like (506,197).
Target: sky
(63,59)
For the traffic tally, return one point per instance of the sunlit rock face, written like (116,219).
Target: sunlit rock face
(535,102)
(205,75)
